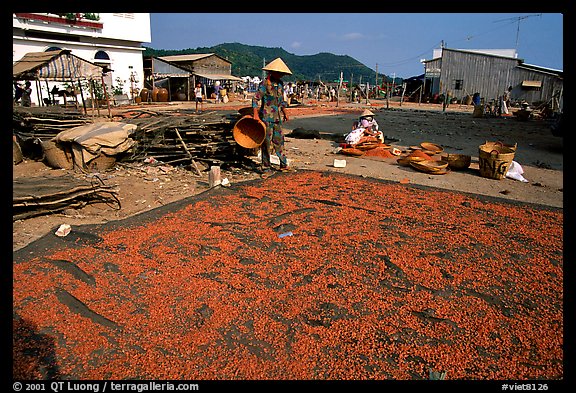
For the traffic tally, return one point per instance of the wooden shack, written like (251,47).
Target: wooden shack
(462,73)
(206,68)
(160,73)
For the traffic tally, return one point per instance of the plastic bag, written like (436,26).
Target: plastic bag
(515,172)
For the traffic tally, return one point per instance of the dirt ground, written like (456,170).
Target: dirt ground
(142,187)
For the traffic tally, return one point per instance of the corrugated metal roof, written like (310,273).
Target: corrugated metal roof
(162,67)
(191,57)
(219,77)
(546,70)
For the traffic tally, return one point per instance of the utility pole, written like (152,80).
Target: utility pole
(367,92)
(339,87)
(393,83)
(351,87)
(376,80)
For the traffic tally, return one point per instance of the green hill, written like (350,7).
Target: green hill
(248,61)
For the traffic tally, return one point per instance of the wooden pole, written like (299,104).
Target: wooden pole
(339,87)
(188,153)
(50,95)
(421,88)
(91,96)
(82,96)
(403,90)
(376,80)
(93,88)
(107,97)
(351,86)
(387,95)
(367,91)
(74,93)
(38,93)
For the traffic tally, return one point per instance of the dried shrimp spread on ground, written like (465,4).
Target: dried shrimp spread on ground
(376,280)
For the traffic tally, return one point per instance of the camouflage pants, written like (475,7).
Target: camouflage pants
(274,141)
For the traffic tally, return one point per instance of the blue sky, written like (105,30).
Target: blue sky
(394,41)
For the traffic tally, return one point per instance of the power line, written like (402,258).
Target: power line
(470,37)
(404,61)
(517,19)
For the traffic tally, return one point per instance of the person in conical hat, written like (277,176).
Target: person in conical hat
(277,65)
(269,104)
(366,113)
(365,129)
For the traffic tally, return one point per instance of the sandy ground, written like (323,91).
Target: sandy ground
(143,187)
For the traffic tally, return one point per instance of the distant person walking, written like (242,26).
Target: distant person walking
(18,91)
(217,89)
(476,99)
(27,94)
(269,105)
(198,97)
(505,101)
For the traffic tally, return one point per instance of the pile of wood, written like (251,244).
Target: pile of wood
(45,123)
(185,138)
(174,138)
(33,125)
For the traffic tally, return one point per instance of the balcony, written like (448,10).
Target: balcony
(71,19)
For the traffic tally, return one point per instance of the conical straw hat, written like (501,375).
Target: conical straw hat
(277,65)
(366,112)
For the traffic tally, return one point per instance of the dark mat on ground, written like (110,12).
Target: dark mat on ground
(304,275)
(48,194)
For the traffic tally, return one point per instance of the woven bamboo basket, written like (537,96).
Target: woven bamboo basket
(406,160)
(457,161)
(431,148)
(57,156)
(430,166)
(494,160)
(249,132)
(500,144)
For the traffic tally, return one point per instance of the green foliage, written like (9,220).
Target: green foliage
(118,88)
(74,15)
(91,16)
(98,89)
(248,60)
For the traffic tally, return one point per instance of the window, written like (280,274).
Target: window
(101,55)
(531,85)
(458,84)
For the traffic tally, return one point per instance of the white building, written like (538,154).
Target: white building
(111,39)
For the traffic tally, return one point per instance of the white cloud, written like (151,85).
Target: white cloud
(296,45)
(352,36)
